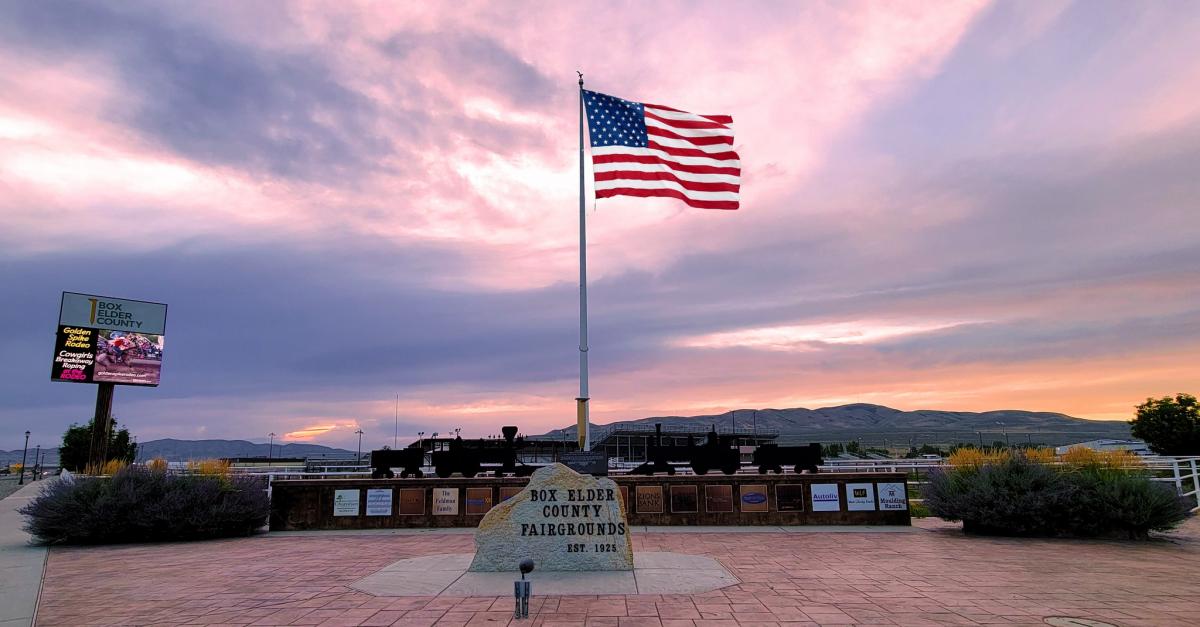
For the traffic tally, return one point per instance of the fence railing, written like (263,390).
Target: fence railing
(1181,472)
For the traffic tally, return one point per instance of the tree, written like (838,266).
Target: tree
(1171,426)
(76,442)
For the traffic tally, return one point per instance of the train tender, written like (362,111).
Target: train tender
(771,457)
(718,452)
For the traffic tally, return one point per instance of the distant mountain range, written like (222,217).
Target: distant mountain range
(876,424)
(872,425)
(184,450)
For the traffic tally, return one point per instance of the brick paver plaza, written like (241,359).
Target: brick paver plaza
(933,575)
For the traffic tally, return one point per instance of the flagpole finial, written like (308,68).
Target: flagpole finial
(580,77)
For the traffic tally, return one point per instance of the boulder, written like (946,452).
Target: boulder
(562,520)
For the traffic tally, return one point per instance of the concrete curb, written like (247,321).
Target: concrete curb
(22,565)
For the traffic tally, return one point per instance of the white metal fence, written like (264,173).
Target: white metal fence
(1181,472)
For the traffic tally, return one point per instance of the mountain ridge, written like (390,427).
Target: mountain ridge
(876,422)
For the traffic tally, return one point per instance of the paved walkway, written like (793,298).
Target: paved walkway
(933,575)
(20,564)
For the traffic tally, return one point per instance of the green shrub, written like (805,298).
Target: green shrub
(1017,496)
(140,505)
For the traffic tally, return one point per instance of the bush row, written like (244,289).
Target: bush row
(1018,496)
(143,505)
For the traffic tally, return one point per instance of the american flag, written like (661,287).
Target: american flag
(645,150)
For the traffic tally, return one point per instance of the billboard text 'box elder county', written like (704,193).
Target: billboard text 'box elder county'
(108,340)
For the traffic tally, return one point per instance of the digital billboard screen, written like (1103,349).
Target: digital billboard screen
(109,340)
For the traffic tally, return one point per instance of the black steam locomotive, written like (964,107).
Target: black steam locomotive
(456,455)
(718,452)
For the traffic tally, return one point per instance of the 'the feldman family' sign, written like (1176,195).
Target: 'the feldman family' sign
(562,520)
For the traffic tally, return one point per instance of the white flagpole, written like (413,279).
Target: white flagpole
(583,426)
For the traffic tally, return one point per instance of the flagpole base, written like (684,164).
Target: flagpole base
(581,424)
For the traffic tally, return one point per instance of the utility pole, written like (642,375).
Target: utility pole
(270,447)
(21,481)
(358,454)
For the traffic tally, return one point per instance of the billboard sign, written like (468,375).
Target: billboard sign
(108,340)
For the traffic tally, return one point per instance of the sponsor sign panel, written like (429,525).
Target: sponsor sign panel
(649,499)
(892,497)
(479,500)
(345,502)
(860,497)
(825,497)
(412,502)
(683,499)
(718,498)
(108,340)
(379,502)
(508,492)
(754,498)
(789,497)
(445,501)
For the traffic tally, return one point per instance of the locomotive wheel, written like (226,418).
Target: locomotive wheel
(389,474)
(730,469)
(762,470)
(670,470)
(813,469)
(417,474)
(700,469)
(376,474)
(443,472)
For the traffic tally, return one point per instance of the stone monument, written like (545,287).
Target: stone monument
(562,520)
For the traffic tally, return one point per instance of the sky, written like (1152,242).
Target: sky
(365,215)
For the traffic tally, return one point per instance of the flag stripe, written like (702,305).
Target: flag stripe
(670,193)
(709,160)
(696,140)
(705,177)
(637,184)
(692,152)
(668,142)
(701,123)
(684,115)
(674,165)
(689,132)
(693,186)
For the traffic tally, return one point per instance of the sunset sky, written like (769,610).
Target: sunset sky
(956,205)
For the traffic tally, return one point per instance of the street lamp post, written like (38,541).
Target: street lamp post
(270,447)
(21,481)
(358,454)
(37,454)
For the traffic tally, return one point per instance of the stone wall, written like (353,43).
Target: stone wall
(789,499)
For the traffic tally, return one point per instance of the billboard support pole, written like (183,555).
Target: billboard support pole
(100,427)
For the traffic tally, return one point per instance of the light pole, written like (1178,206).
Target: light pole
(270,447)
(421,439)
(358,454)
(21,481)
(37,454)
